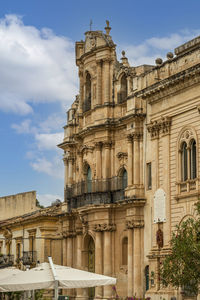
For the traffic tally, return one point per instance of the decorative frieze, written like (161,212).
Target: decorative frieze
(104,227)
(161,126)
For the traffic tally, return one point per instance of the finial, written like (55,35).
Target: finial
(124,59)
(107,28)
(158,61)
(123,53)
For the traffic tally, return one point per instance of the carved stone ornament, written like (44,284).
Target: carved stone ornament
(104,227)
(68,234)
(159,238)
(131,224)
(122,156)
(7,233)
(161,126)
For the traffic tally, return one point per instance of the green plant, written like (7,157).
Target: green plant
(182,267)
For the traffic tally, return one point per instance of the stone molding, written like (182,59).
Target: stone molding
(161,126)
(131,224)
(104,227)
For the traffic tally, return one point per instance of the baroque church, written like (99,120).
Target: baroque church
(131,156)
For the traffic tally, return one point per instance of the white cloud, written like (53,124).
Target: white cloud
(47,199)
(36,66)
(24,127)
(52,168)
(47,141)
(150,49)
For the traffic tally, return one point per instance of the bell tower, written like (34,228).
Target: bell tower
(95,58)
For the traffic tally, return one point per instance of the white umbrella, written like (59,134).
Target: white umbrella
(6,272)
(50,276)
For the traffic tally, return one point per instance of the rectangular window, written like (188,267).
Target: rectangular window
(149,178)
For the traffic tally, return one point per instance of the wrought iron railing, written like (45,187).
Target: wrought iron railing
(6,260)
(29,257)
(97,191)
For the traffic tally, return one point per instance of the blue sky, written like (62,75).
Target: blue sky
(38,76)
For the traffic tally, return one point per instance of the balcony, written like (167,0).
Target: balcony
(6,260)
(29,257)
(98,191)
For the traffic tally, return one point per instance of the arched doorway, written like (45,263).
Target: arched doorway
(89,260)
(91,264)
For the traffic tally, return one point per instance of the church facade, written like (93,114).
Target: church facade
(131,155)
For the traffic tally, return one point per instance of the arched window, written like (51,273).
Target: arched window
(184,163)
(122,95)
(125,251)
(193,168)
(124,179)
(89,180)
(87,101)
(187,159)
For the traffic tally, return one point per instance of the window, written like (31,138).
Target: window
(187,163)
(125,251)
(124,179)
(87,101)
(122,95)
(193,168)
(18,250)
(188,160)
(184,162)
(149,178)
(89,180)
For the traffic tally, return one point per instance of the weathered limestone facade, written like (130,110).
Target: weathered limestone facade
(131,156)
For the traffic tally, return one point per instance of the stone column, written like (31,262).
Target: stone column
(136,159)
(81,88)
(64,251)
(98,261)
(98,160)
(188,163)
(65,160)
(130,159)
(70,171)
(106,165)
(80,165)
(106,80)
(69,251)
(130,262)
(99,82)
(137,280)
(107,261)
(79,259)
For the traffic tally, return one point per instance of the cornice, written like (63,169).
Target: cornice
(170,85)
